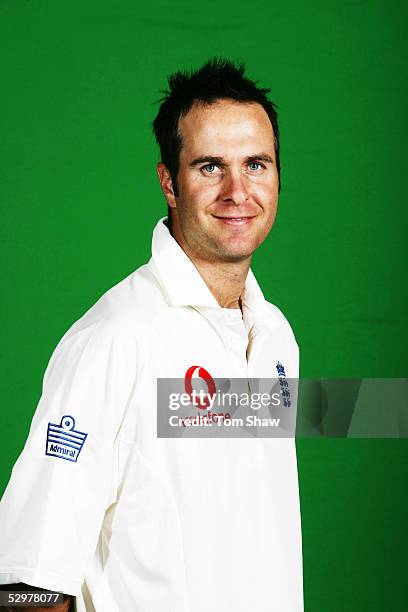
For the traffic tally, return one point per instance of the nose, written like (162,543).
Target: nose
(234,188)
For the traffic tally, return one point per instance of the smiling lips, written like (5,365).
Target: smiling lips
(234,220)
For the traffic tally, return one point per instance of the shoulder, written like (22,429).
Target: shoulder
(117,323)
(135,299)
(278,320)
(126,307)
(285,344)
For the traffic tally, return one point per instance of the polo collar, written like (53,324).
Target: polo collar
(181,279)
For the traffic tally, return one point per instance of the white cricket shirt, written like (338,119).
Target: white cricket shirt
(101,508)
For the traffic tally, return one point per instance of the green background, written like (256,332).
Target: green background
(79,199)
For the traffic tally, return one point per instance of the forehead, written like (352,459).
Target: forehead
(225,124)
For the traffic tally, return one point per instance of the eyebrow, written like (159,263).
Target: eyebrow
(214,159)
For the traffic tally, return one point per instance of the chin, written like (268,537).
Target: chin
(237,253)
(235,257)
(241,243)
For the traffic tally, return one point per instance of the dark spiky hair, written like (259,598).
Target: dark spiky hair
(217,79)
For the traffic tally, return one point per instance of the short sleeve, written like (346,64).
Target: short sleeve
(65,478)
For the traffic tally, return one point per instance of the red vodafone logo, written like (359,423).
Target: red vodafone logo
(199,372)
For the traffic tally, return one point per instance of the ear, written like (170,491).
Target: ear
(166,184)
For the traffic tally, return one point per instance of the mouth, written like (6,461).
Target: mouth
(236,221)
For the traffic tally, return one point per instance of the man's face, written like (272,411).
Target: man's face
(227,181)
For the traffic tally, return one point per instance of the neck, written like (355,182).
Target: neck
(225,279)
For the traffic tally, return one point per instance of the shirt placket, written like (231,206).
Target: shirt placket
(225,326)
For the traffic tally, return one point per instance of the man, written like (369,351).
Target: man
(112,514)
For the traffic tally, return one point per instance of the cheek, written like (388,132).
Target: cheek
(267,196)
(199,196)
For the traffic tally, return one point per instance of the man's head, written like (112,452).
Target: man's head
(219,169)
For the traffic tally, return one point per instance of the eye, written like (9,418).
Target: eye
(254,165)
(209,168)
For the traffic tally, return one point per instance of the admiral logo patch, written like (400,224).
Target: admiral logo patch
(63,440)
